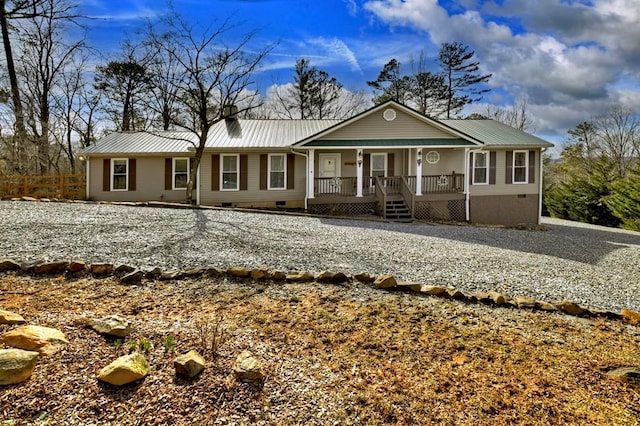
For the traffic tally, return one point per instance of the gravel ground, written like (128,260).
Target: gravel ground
(594,266)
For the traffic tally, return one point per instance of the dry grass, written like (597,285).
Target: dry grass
(333,355)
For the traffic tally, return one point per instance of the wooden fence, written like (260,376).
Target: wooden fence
(70,187)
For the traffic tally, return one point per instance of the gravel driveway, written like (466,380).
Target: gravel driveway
(596,267)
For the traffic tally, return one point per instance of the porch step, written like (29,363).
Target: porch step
(397,210)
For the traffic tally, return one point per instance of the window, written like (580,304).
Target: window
(180,173)
(230,172)
(378,165)
(480,168)
(277,171)
(433,157)
(520,169)
(119,174)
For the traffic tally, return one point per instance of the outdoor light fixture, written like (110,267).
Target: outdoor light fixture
(419,160)
(359,158)
(81,158)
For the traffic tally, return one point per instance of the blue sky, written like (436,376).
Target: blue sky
(571,58)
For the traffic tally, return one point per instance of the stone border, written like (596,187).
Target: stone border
(129,275)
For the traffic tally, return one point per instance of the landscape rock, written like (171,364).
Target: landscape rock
(331,277)
(44,340)
(112,325)
(498,298)
(247,368)
(300,276)
(8,265)
(16,365)
(571,308)
(456,294)
(260,273)
(385,281)
(171,275)
(8,317)
(630,316)
(132,277)
(48,268)
(433,290)
(76,266)
(123,269)
(125,370)
(101,268)
(278,275)
(189,364)
(626,374)
(213,272)
(193,272)
(364,278)
(238,272)
(545,306)
(415,287)
(524,302)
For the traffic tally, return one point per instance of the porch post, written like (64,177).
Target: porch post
(467,201)
(359,156)
(419,172)
(310,173)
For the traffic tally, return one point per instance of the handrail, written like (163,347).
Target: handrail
(408,195)
(381,196)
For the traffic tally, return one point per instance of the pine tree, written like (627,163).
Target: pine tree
(624,200)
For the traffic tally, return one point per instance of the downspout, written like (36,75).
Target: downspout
(540,188)
(87,173)
(198,188)
(306,174)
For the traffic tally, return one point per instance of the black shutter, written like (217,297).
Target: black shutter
(291,171)
(168,165)
(132,174)
(264,171)
(215,172)
(532,167)
(492,168)
(509,168)
(106,175)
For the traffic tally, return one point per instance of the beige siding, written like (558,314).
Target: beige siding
(374,126)
(450,160)
(149,182)
(501,187)
(253,196)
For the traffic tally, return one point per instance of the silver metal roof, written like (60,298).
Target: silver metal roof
(242,133)
(142,143)
(494,134)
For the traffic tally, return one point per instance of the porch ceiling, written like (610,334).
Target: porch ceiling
(408,143)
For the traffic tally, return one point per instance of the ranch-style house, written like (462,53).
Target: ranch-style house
(389,161)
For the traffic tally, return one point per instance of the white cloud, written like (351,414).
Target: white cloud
(566,55)
(338,51)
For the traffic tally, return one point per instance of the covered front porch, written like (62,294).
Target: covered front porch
(396,184)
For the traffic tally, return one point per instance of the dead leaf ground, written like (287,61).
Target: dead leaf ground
(332,355)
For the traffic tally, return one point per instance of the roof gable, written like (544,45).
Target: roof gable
(387,124)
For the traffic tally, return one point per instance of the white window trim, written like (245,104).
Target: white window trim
(284,165)
(126,179)
(486,166)
(386,164)
(173,172)
(526,168)
(222,157)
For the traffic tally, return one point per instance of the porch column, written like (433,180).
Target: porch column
(359,157)
(310,172)
(418,171)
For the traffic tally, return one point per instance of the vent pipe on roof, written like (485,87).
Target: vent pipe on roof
(229,112)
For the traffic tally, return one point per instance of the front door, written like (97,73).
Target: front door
(329,170)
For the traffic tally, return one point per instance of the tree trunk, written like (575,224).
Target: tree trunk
(20,130)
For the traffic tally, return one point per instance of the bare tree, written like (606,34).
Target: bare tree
(212,76)
(618,133)
(515,115)
(45,54)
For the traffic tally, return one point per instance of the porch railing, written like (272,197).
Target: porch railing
(442,183)
(347,186)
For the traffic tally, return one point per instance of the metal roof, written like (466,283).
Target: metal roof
(142,143)
(242,133)
(388,143)
(494,134)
